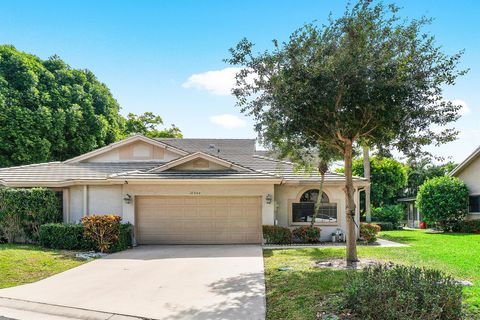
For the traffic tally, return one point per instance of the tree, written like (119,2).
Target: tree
(50,111)
(421,169)
(366,76)
(443,201)
(388,178)
(367,175)
(148,124)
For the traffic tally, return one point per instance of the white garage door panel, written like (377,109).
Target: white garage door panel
(198,220)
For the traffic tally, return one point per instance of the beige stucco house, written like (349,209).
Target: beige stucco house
(182,191)
(469,172)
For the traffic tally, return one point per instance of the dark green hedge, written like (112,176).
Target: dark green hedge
(277,234)
(23,211)
(64,236)
(71,237)
(386,226)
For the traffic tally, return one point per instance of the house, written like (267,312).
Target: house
(469,172)
(184,191)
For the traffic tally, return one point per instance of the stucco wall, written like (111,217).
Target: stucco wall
(105,200)
(136,151)
(286,194)
(471,176)
(75,204)
(200,190)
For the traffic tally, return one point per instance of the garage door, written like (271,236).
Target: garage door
(198,220)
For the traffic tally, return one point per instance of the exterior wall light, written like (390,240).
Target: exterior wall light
(127,199)
(268,198)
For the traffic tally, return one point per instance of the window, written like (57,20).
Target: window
(304,210)
(474,203)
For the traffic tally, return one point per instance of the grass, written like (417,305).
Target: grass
(21,264)
(297,293)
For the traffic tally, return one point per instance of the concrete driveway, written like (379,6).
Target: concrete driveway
(161,282)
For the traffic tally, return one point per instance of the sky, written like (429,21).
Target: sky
(167,56)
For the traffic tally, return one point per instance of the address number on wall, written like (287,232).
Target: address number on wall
(195,192)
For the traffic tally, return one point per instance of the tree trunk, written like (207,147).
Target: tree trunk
(366,174)
(350,208)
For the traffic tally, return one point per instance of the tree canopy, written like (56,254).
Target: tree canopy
(50,111)
(369,76)
(388,178)
(421,169)
(149,124)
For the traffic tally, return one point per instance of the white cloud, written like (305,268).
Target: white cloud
(228,121)
(464,109)
(217,82)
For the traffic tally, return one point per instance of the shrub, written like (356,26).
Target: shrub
(307,234)
(385,226)
(400,292)
(103,230)
(277,234)
(72,237)
(468,226)
(64,236)
(389,213)
(124,239)
(443,201)
(369,232)
(23,211)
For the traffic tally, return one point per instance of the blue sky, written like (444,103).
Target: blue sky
(166,56)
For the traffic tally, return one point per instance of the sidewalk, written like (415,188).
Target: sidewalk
(381,243)
(27,310)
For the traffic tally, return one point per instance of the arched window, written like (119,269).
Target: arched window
(303,211)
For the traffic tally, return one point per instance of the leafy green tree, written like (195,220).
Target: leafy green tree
(388,178)
(443,201)
(50,111)
(367,76)
(421,169)
(148,125)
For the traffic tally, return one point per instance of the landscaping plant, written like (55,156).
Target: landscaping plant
(306,234)
(389,213)
(103,230)
(443,201)
(402,293)
(277,234)
(369,232)
(23,211)
(368,77)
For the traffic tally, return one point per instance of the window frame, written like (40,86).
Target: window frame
(470,211)
(317,223)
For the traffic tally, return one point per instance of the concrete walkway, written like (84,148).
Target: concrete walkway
(379,244)
(154,282)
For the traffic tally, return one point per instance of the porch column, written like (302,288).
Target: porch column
(85,200)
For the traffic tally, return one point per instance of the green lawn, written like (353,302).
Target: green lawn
(297,293)
(20,264)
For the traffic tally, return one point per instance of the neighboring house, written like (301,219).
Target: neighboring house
(183,191)
(469,172)
(413,214)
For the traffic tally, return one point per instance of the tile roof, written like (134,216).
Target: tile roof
(238,151)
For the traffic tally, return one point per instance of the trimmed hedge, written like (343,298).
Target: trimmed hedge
(389,213)
(400,292)
(277,234)
(23,211)
(468,226)
(64,236)
(71,237)
(124,239)
(443,201)
(306,234)
(386,226)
